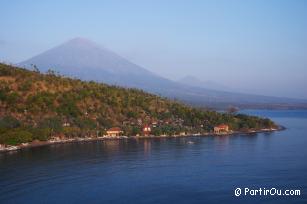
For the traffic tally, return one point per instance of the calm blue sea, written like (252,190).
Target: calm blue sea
(178,170)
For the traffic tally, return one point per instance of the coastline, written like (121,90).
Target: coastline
(33,144)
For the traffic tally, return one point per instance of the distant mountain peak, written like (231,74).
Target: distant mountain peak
(87,60)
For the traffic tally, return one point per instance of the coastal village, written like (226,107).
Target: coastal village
(221,129)
(117,133)
(146,131)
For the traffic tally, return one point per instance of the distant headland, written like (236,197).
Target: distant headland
(48,108)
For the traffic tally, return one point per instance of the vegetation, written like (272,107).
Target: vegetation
(36,106)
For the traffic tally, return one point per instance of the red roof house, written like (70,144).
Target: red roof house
(222,128)
(146,130)
(114,131)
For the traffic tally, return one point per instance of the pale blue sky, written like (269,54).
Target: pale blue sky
(249,46)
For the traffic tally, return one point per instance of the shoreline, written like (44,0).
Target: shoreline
(33,144)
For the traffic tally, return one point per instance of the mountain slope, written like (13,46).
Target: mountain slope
(86,60)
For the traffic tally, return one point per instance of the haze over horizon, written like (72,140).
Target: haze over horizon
(252,47)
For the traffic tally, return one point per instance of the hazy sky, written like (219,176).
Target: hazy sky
(250,46)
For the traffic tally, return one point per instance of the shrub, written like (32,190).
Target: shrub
(15,137)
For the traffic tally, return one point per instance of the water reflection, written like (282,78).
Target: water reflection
(147,147)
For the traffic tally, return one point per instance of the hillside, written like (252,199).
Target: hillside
(87,60)
(38,106)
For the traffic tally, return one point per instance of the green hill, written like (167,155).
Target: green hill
(38,106)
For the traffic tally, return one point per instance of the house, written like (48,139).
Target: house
(66,124)
(114,131)
(221,129)
(182,133)
(55,138)
(146,130)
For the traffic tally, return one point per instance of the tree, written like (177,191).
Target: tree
(51,72)
(9,122)
(85,123)
(12,98)
(41,134)
(68,107)
(104,122)
(135,131)
(55,124)
(35,69)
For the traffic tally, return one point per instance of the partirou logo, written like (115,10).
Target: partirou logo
(267,192)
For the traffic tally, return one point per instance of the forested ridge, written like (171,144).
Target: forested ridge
(36,105)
